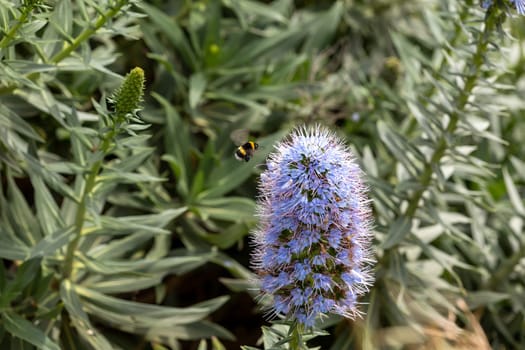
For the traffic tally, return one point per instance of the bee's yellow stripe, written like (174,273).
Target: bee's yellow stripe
(241,151)
(252,144)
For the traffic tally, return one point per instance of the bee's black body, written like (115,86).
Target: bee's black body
(245,151)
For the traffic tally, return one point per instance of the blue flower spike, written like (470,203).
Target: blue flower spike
(520,6)
(312,245)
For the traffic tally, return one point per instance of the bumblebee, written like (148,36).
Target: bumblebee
(245,151)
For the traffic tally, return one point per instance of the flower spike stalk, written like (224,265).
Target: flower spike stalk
(127,101)
(313,241)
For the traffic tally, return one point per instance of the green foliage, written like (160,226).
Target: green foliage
(111,207)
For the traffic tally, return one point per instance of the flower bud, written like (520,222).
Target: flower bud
(129,95)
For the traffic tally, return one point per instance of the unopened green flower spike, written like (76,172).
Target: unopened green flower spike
(129,96)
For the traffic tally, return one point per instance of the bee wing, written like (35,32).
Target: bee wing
(239,136)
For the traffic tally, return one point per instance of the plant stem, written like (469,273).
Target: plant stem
(67,333)
(461,102)
(79,219)
(9,36)
(81,209)
(86,34)
(296,339)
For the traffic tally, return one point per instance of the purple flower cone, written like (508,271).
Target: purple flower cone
(312,243)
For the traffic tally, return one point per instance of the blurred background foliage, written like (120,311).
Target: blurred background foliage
(136,236)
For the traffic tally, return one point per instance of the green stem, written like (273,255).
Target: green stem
(79,219)
(461,102)
(86,34)
(81,209)
(67,332)
(6,40)
(296,338)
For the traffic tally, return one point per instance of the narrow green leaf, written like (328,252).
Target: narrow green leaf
(122,284)
(411,55)
(136,142)
(11,121)
(47,211)
(182,262)
(67,168)
(62,18)
(143,267)
(80,319)
(233,266)
(477,299)
(229,236)
(177,145)
(514,195)
(51,244)
(44,101)
(29,30)
(25,330)
(119,247)
(26,274)
(519,165)
(157,329)
(322,27)
(12,250)
(199,330)
(239,99)
(111,267)
(132,162)
(423,117)
(130,224)
(82,136)
(108,225)
(21,215)
(246,9)
(139,313)
(400,148)
(210,44)
(169,27)
(197,86)
(179,171)
(54,180)
(202,345)
(229,175)
(127,177)
(397,232)
(429,233)
(271,47)
(228,208)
